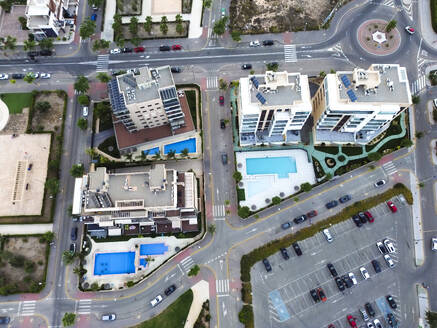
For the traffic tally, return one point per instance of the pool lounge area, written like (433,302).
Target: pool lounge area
(270,173)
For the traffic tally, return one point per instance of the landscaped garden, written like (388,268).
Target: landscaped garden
(17,101)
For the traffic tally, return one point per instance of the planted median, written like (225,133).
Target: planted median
(248,260)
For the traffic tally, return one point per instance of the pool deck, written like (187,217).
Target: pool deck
(153,261)
(256,199)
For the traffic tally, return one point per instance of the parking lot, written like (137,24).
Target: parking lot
(281,298)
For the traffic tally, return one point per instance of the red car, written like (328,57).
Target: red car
(369,216)
(139,49)
(312,214)
(321,294)
(221,100)
(331,326)
(176,47)
(351,321)
(392,206)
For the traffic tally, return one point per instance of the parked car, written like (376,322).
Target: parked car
(115,51)
(391,301)
(4,320)
(32,53)
(376,266)
(351,321)
(45,75)
(286,225)
(176,69)
(314,295)
(45,52)
(139,49)
(254,43)
(364,273)
(389,246)
(362,217)
(321,294)
(364,314)
(221,100)
(156,301)
(357,220)
(17,76)
(434,244)
(332,270)
(328,235)
(267,265)
(300,219)
(331,204)
(268,43)
(170,290)
(389,261)
(85,111)
(164,48)
(297,249)
(73,248)
(381,248)
(109,317)
(377,323)
(391,320)
(370,325)
(4,76)
(340,284)
(223,12)
(73,234)
(345,198)
(352,278)
(224,159)
(222,124)
(369,217)
(347,281)
(369,309)
(246,66)
(284,254)
(410,30)
(392,206)
(311,214)
(176,47)
(379,183)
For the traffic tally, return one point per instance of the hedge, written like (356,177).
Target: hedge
(434,15)
(260,253)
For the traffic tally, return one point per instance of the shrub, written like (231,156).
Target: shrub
(243,212)
(375,156)
(17,261)
(276,200)
(240,194)
(341,158)
(68,319)
(305,187)
(237,176)
(130,283)
(246,316)
(29,266)
(194,271)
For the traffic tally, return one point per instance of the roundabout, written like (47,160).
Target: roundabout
(373,37)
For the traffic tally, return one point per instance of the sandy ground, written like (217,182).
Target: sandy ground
(16,155)
(200,295)
(17,123)
(165,7)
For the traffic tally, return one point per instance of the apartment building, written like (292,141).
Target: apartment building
(356,106)
(47,18)
(273,107)
(146,201)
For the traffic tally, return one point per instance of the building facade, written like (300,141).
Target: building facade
(356,106)
(148,201)
(273,107)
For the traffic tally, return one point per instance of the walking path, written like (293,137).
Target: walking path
(200,295)
(426,30)
(25,229)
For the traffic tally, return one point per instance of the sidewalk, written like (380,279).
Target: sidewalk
(200,295)
(422,297)
(25,229)
(426,31)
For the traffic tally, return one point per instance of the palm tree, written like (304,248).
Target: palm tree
(143,156)
(129,157)
(171,154)
(68,257)
(185,152)
(29,45)
(157,155)
(91,152)
(77,270)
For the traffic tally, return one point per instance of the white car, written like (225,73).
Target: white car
(115,51)
(364,273)
(85,111)
(377,323)
(370,325)
(35,75)
(328,235)
(354,280)
(381,248)
(389,261)
(389,245)
(434,244)
(410,30)
(254,43)
(156,300)
(45,75)
(4,76)
(109,317)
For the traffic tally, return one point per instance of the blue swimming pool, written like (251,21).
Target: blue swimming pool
(143,262)
(281,166)
(114,263)
(151,151)
(190,144)
(153,249)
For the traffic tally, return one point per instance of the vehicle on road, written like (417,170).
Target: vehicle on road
(139,49)
(94,17)
(370,325)
(351,321)
(300,219)
(369,309)
(381,248)
(328,235)
(364,273)
(364,314)
(391,301)
(115,51)
(156,301)
(224,159)
(222,124)
(362,217)
(284,254)
(268,43)
(45,75)
(357,220)
(221,100)
(109,317)
(369,217)
(73,248)
(340,284)
(391,320)
(434,101)
(332,270)
(4,76)
(164,48)
(4,320)
(389,261)
(286,225)
(176,69)
(312,214)
(434,243)
(376,266)
(176,47)
(254,43)
(345,198)
(331,204)
(379,183)
(410,30)
(223,12)
(389,246)
(392,206)
(352,278)
(73,234)
(46,52)
(321,294)
(85,111)
(170,290)
(246,66)
(267,265)
(297,249)
(17,76)
(377,323)
(314,295)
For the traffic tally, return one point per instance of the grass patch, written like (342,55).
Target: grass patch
(173,316)
(191,100)
(240,194)
(333,150)
(109,146)
(17,101)
(352,151)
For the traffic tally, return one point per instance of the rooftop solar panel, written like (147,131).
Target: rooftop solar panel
(346,81)
(352,95)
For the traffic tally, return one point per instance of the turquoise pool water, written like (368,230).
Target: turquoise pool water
(151,151)
(281,166)
(257,186)
(114,263)
(190,144)
(153,249)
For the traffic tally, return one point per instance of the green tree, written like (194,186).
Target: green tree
(29,45)
(133,26)
(207,3)
(236,36)
(82,84)
(43,106)
(87,28)
(48,236)
(9,43)
(220,26)
(180,28)
(103,77)
(68,257)
(52,185)
(375,156)
(245,316)
(77,170)
(306,186)
(84,100)
(211,228)
(415,99)
(418,134)
(17,261)
(243,212)
(178,19)
(148,24)
(101,109)
(237,176)
(194,271)
(391,25)
(276,200)
(406,142)
(272,66)
(46,44)
(431,318)
(91,152)
(223,85)
(322,74)
(82,123)
(68,319)
(163,25)
(184,152)
(117,27)
(101,44)
(171,154)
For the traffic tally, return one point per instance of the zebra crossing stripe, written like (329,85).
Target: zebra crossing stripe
(290,53)
(102,63)
(219,211)
(222,286)
(418,85)
(389,167)
(187,263)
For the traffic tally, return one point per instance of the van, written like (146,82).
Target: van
(156,300)
(108,317)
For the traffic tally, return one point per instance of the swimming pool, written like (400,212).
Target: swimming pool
(143,262)
(151,151)
(153,249)
(190,144)
(281,166)
(114,263)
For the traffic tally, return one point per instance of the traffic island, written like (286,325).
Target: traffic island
(376,39)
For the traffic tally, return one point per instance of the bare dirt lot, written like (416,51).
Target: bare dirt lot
(17,123)
(50,120)
(22,264)
(260,16)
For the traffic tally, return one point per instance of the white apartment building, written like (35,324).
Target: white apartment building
(273,107)
(47,18)
(356,106)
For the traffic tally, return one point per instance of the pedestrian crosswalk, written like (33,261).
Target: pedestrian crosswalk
(389,168)
(84,306)
(102,63)
(187,263)
(388,3)
(420,62)
(290,53)
(418,85)
(212,82)
(27,308)
(222,286)
(219,211)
